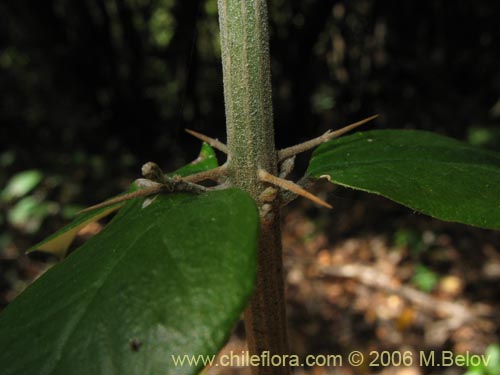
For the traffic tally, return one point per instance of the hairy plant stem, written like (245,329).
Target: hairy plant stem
(250,145)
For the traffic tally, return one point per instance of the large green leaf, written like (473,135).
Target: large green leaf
(59,242)
(432,174)
(168,279)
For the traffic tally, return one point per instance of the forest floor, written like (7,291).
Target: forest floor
(368,276)
(373,277)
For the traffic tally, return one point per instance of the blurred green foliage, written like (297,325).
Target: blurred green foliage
(492,354)
(29,213)
(116,76)
(21,184)
(483,136)
(420,246)
(24,201)
(424,278)
(411,239)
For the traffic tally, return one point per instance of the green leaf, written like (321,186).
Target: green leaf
(171,278)
(21,184)
(59,242)
(205,161)
(432,174)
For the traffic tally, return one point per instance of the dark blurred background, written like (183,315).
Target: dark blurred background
(92,89)
(118,80)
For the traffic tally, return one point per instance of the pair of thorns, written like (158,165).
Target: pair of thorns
(155,182)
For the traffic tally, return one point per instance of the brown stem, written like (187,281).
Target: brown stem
(250,143)
(265,317)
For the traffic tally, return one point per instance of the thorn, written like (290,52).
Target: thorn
(297,149)
(211,174)
(125,197)
(337,133)
(215,143)
(290,186)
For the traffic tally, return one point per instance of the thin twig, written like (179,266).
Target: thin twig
(291,186)
(215,143)
(302,147)
(371,277)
